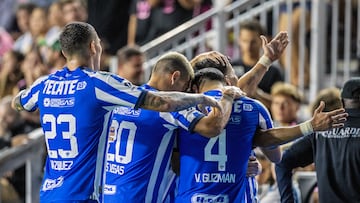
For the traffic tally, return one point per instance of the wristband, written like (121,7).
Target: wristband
(306,128)
(265,61)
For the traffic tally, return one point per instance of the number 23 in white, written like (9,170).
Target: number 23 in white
(66,135)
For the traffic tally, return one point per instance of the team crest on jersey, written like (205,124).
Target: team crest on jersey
(59,102)
(248,107)
(127,111)
(50,184)
(206,198)
(81,85)
(112,135)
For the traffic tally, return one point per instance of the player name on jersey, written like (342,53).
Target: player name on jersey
(215,177)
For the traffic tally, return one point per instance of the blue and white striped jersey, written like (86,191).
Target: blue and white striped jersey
(214,170)
(139,152)
(75,107)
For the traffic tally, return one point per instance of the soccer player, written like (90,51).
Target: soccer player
(75,105)
(214,169)
(141,141)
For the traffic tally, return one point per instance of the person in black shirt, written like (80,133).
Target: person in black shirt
(336,154)
(249,42)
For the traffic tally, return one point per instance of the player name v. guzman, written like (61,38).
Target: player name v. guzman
(215,177)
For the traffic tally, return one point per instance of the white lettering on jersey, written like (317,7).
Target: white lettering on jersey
(61,87)
(109,189)
(61,165)
(115,169)
(206,198)
(215,177)
(341,133)
(50,184)
(237,106)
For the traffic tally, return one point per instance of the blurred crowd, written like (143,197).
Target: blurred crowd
(29,49)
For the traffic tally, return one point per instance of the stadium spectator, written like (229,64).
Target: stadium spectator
(74,10)
(130,64)
(110,19)
(285,105)
(24,41)
(10,73)
(249,42)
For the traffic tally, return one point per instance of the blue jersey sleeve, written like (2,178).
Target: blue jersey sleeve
(111,90)
(30,98)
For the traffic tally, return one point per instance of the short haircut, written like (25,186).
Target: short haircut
(124,54)
(29,7)
(174,61)
(64,2)
(76,37)
(253,25)
(208,74)
(286,89)
(331,97)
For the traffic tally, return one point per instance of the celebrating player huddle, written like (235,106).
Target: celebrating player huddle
(110,141)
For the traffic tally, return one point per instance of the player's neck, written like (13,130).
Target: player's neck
(76,62)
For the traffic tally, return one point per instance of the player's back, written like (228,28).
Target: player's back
(138,158)
(215,169)
(73,113)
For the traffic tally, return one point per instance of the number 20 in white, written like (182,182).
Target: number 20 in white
(123,159)
(66,135)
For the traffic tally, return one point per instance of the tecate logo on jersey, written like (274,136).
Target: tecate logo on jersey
(206,198)
(63,87)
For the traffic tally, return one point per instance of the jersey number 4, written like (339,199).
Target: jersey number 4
(221,156)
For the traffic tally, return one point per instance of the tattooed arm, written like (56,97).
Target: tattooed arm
(176,101)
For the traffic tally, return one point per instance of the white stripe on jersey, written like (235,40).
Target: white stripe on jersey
(100,163)
(32,101)
(159,156)
(104,96)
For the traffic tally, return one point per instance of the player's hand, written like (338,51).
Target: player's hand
(233,92)
(276,46)
(326,120)
(254,167)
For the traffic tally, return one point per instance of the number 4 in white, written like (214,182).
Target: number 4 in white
(221,157)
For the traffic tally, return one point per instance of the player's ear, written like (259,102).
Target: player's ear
(92,47)
(175,76)
(227,80)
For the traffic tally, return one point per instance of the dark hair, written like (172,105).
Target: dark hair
(209,63)
(75,38)
(125,53)
(209,74)
(28,7)
(253,25)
